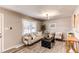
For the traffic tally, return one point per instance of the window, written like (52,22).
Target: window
(28,27)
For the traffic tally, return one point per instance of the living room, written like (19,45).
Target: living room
(25,26)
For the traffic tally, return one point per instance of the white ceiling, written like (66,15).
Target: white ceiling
(37,11)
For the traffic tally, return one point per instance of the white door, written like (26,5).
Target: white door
(1,32)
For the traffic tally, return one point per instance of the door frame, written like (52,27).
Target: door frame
(2,39)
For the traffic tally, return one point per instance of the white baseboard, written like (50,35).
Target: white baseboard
(16,46)
(19,45)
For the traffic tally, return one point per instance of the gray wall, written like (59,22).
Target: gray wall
(62,25)
(12,19)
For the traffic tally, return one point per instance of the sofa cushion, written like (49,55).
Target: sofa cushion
(58,35)
(39,34)
(28,37)
(33,36)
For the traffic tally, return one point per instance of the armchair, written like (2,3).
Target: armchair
(59,36)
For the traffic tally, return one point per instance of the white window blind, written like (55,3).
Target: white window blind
(29,27)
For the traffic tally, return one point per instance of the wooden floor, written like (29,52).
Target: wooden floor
(37,48)
(13,50)
(59,47)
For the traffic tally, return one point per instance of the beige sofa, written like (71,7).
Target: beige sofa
(32,38)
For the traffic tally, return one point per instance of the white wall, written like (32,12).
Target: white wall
(62,25)
(76,29)
(12,19)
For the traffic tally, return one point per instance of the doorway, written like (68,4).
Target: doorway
(1,32)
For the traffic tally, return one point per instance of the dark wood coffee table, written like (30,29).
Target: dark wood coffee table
(48,43)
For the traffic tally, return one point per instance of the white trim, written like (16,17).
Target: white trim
(19,45)
(2,40)
(16,46)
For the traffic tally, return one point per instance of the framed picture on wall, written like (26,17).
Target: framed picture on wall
(53,25)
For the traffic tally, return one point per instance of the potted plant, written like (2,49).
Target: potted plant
(43,28)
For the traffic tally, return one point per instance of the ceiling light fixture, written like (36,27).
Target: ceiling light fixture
(49,14)
(46,15)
